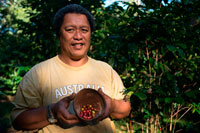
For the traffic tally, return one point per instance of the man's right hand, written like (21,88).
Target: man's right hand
(60,111)
(36,118)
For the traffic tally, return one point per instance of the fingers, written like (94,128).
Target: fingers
(108,101)
(68,119)
(66,100)
(69,116)
(100,90)
(102,93)
(61,109)
(65,117)
(72,96)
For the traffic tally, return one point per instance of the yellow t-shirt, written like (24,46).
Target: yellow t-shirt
(51,80)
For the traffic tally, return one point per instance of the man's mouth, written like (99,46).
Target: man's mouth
(77,46)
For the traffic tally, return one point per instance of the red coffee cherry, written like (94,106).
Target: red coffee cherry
(88,112)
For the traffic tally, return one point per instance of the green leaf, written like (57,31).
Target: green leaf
(168,100)
(122,23)
(140,95)
(171,48)
(182,45)
(181,53)
(1,93)
(179,100)
(190,94)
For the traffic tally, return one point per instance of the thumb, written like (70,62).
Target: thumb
(70,98)
(100,91)
(67,99)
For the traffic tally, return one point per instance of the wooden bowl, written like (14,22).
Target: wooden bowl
(89,105)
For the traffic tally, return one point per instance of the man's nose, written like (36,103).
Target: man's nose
(78,35)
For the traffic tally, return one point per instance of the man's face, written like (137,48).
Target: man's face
(75,36)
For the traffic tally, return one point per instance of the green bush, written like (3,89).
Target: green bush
(156,50)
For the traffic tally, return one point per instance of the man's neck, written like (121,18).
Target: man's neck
(73,62)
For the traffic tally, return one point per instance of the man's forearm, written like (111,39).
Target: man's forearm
(121,109)
(31,119)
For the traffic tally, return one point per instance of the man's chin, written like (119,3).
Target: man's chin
(78,57)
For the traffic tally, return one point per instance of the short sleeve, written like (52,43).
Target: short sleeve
(117,86)
(28,94)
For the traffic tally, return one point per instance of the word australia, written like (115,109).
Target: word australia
(69,89)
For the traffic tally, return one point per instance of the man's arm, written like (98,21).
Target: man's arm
(31,119)
(37,118)
(120,109)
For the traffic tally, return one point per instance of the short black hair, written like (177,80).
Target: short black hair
(72,8)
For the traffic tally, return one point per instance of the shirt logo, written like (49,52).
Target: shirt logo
(69,89)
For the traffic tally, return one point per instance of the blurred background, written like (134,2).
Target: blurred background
(153,44)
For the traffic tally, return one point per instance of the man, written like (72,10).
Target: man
(44,94)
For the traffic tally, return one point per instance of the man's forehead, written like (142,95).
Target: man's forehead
(75,19)
(75,15)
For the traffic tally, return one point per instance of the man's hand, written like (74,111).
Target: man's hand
(109,105)
(32,119)
(60,111)
(117,109)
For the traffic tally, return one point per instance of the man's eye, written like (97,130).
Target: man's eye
(69,30)
(85,30)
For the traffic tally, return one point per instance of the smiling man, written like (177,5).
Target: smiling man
(74,38)
(45,92)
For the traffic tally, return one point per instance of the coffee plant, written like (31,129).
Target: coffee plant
(155,48)
(153,45)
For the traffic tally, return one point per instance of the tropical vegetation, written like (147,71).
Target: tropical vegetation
(154,46)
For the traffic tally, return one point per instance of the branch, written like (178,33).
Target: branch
(180,110)
(185,112)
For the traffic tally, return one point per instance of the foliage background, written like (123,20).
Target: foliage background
(154,47)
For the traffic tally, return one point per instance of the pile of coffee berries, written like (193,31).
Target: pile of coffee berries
(87,112)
